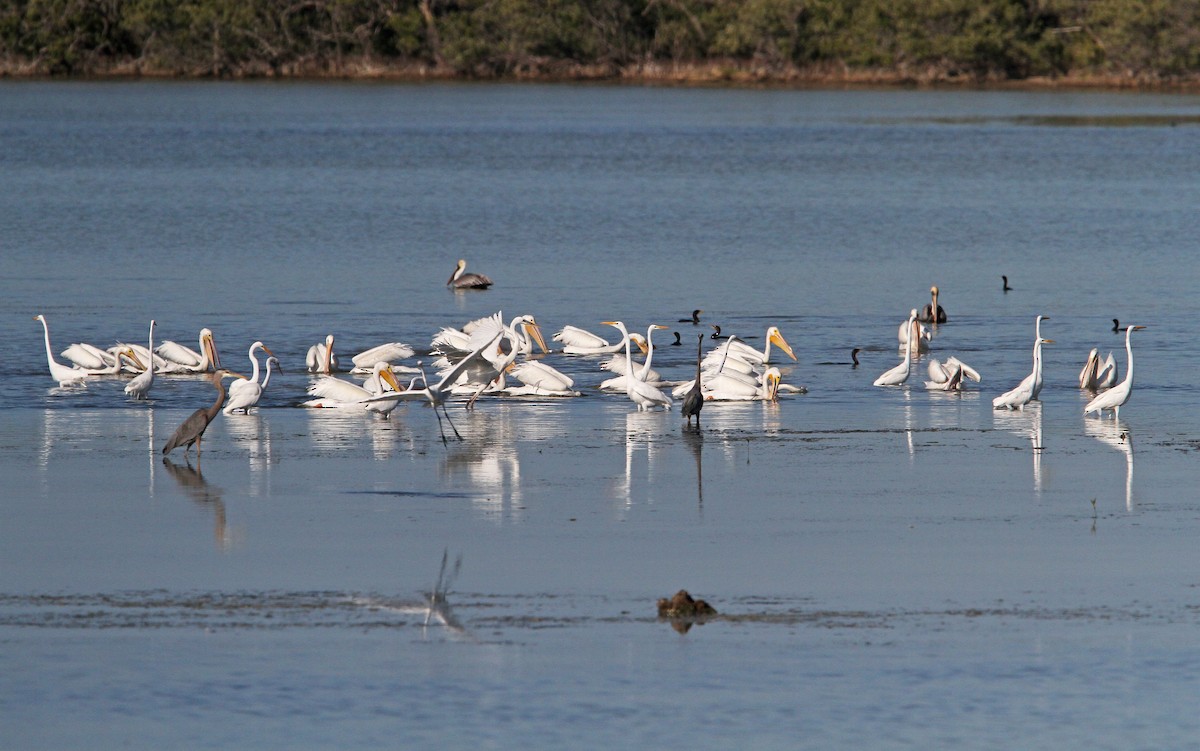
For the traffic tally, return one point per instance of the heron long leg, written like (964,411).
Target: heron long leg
(456,433)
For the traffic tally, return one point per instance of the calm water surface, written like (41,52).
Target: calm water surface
(895,568)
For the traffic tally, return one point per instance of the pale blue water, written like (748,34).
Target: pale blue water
(901,569)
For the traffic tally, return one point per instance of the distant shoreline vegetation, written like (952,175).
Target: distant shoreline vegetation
(1100,43)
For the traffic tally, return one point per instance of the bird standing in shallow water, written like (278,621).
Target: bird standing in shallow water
(1115,397)
(693,401)
(192,429)
(462,280)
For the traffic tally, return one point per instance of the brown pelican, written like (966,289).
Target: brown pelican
(932,312)
(461,280)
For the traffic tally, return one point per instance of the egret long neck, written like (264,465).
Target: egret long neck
(644,371)
(49,352)
(254,366)
(1129,356)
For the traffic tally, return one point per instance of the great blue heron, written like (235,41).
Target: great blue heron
(192,429)
(462,280)
(693,401)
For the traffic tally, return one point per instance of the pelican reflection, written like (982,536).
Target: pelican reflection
(204,494)
(335,431)
(1115,434)
(1026,423)
(487,459)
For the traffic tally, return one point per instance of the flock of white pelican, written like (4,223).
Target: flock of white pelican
(493,356)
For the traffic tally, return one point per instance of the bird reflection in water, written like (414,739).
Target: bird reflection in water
(693,437)
(487,458)
(435,604)
(193,484)
(1115,434)
(334,430)
(641,432)
(1028,424)
(253,433)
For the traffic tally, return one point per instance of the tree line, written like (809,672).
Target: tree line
(1136,41)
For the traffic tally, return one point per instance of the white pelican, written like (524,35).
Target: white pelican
(740,350)
(729,387)
(1097,375)
(948,375)
(244,393)
(539,379)
(1115,397)
(183,359)
(59,372)
(120,356)
(643,394)
(579,341)
(644,373)
(320,357)
(899,374)
(334,393)
(141,384)
(436,394)
(914,327)
(523,331)
(1026,390)
(932,312)
(90,357)
(364,362)
(462,280)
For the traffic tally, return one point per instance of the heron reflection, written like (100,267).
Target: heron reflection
(694,439)
(1115,434)
(204,494)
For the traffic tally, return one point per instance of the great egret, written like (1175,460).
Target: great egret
(914,329)
(59,372)
(932,312)
(695,319)
(244,393)
(1027,390)
(1116,397)
(462,280)
(183,359)
(899,374)
(141,384)
(693,401)
(192,429)
(436,394)
(644,373)
(642,394)
(320,357)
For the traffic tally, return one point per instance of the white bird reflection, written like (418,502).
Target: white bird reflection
(1115,434)
(334,431)
(252,432)
(436,605)
(642,429)
(1026,423)
(487,458)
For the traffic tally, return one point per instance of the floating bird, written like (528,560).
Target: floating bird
(899,374)
(1116,325)
(141,384)
(121,358)
(539,379)
(93,359)
(1029,388)
(59,372)
(320,357)
(932,312)
(644,373)
(645,396)
(693,401)
(678,342)
(437,393)
(913,328)
(579,341)
(716,334)
(948,375)
(334,393)
(695,319)
(185,360)
(461,280)
(854,356)
(749,355)
(245,393)
(1097,375)
(1006,287)
(1116,397)
(192,429)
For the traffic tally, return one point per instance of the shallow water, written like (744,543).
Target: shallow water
(894,567)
